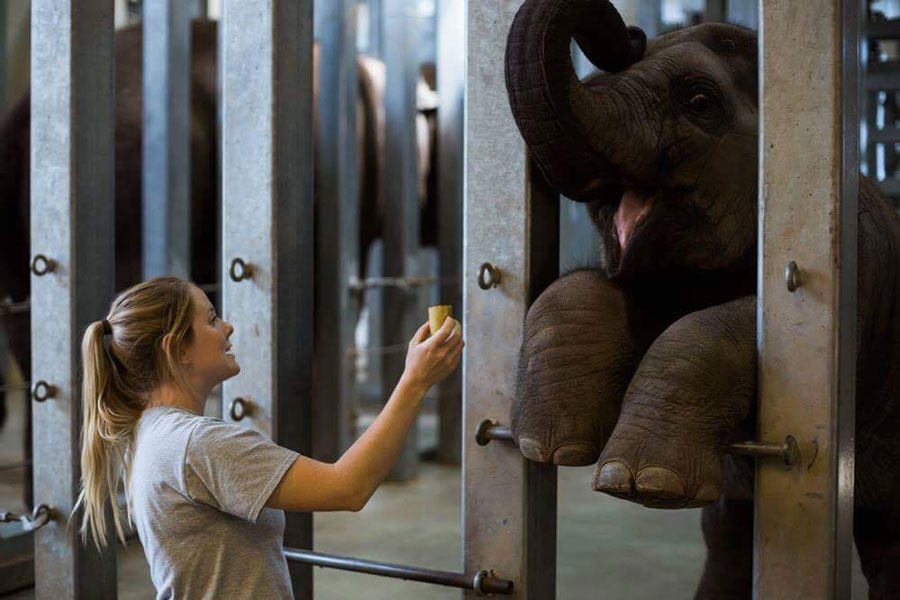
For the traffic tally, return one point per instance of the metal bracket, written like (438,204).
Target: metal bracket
(40,516)
(792,276)
(240,408)
(488,276)
(43,390)
(240,270)
(41,265)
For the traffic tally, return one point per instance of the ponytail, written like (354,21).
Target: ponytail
(123,360)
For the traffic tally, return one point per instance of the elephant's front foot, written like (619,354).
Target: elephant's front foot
(574,365)
(689,395)
(645,464)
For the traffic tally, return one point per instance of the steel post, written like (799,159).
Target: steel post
(808,214)
(451,86)
(337,223)
(512,221)
(166,154)
(401,203)
(267,223)
(72,121)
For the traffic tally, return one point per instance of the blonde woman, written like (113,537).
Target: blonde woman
(207,497)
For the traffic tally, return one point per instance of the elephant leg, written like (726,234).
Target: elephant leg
(877,535)
(691,392)
(728,532)
(574,365)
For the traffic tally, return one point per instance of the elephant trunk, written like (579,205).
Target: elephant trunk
(550,104)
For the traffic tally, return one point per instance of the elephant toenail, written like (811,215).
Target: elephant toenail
(533,450)
(659,481)
(613,478)
(575,455)
(708,493)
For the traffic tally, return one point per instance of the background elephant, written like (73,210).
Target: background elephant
(15,130)
(647,365)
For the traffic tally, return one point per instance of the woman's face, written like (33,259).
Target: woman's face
(209,356)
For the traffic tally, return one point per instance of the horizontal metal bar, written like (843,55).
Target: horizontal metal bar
(357,285)
(885,30)
(15,387)
(377,351)
(483,582)
(39,517)
(13,308)
(14,466)
(788,450)
(888,135)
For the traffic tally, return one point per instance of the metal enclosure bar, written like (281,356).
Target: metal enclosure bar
(166,154)
(401,203)
(451,87)
(511,220)
(72,224)
(267,222)
(808,214)
(337,226)
(4,66)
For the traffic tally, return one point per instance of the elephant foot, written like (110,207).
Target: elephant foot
(574,365)
(658,471)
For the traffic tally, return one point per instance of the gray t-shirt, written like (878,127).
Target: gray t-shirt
(198,487)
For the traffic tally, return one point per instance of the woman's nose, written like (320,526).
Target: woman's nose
(229,328)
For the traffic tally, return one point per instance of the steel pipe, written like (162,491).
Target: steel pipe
(483,582)
(788,450)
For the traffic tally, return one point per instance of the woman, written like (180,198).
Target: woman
(206,496)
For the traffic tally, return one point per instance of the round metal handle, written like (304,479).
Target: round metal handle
(792,276)
(240,408)
(41,265)
(488,276)
(240,270)
(42,390)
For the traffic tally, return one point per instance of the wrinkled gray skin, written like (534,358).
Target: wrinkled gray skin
(647,366)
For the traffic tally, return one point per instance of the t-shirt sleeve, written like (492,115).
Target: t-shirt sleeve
(233,468)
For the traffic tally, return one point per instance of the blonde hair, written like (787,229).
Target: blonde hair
(118,375)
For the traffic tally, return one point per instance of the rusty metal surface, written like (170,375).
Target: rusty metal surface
(808,178)
(505,221)
(267,221)
(71,223)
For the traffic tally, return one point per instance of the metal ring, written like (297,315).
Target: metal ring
(41,265)
(792,276)
(42,390)
(478,581)
(40,516)
(240,270)
(488,276)
(240,408)
(791,451)
(481,437)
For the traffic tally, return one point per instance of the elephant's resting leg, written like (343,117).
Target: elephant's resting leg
(728,532)
(688,397)
(877,536)
(574,365)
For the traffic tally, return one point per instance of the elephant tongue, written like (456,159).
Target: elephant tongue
(632,208)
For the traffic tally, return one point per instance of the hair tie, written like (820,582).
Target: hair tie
(107,328)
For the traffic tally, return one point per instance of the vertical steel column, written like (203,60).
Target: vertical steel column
(716,11)
(4,66)
(451,86)
(166,142)
(71,225)
(267,223)
(808,214)
(337,223)
(401,203)
(376,28)
(511,221)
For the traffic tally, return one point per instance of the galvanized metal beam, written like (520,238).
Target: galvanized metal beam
(337,224)
(4,66)
(401,203)
(808,214)
(512,221)
(267,223)
(166,149)
(451,87)
(72,123)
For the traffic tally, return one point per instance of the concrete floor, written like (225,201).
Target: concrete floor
(607,548)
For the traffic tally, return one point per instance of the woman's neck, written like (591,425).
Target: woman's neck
(169,394)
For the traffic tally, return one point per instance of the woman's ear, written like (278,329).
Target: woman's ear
(184,359)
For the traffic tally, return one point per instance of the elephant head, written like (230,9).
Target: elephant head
(661,145)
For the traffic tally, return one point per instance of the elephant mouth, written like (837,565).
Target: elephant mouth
(631,213)
(624,210)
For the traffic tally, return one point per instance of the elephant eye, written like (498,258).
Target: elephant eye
(699,102)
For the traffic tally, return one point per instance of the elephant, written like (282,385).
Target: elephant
(15,165)
(646,364)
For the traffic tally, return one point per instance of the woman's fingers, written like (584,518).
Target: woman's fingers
(441,335)
(421,333)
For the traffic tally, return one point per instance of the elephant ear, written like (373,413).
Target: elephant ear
(548,101)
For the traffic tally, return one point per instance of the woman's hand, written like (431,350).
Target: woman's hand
(431,359)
